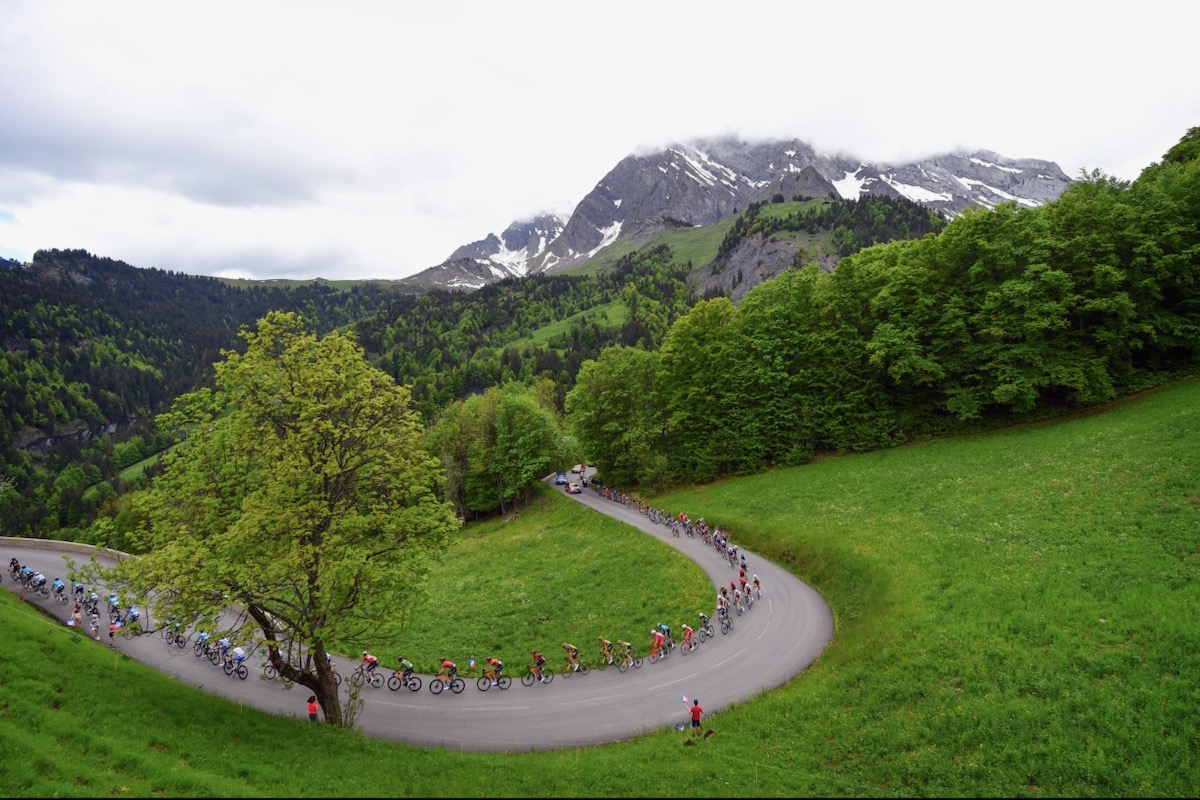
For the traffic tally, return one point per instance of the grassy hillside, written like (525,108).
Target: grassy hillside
(1015,617)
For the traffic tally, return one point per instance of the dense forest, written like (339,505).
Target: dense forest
(998,316)
(1007,315)
(91,349)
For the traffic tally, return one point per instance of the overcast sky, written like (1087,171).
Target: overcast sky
(371,139)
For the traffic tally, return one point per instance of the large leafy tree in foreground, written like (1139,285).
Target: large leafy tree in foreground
(303,499)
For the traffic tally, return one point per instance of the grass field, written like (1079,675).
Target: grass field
(1015,616)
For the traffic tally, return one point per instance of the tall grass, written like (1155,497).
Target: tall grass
(1015,611)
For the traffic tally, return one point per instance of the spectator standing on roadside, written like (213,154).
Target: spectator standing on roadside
(112,634)
(313,708)
(77,617)
(697,712)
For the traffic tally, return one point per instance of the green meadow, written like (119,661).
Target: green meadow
(1016,616)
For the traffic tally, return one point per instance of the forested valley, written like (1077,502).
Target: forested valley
(1001,316)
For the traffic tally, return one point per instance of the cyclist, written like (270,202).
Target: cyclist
(224,644)
(687,634)
(406,669)
(132,616)
(626,651)
(78,588)
(14,567)
(605,649)
(92,604)
(656,641)
(58,586)
(572,656)
(757,585)
(666,632)
(202,640)
(237,654)
(39,580)
(539,664)
(114,605)
(493,669)
(448,671)
(369,662)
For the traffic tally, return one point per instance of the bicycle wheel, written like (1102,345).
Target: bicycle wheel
(242,672)
(457,685)
(483,684)
(414,683)
(504,681)
(436,685)
(180,641)
(637,662)
(726,625)
(214,656)
(710,630)
(548,674)
(527,679)
(583,667)
(198,649)
(356,678)
(337,678)
(228,667)
(653,657)
(622,665)
(376,680)
(394,683)
(269,672)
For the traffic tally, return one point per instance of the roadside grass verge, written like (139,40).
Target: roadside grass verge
(1015,617)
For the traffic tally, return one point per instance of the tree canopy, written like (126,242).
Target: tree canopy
(303,497)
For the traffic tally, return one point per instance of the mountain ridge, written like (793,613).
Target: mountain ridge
(702,181)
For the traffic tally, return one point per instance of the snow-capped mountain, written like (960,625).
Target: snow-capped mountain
(703,181)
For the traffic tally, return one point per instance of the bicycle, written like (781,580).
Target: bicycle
(726,625)
(546,674)
(234,667)
(688,645)
(363,675)
(580,667)
(398,679)
(440,682)
(661,655)
(484,683)
(628,659)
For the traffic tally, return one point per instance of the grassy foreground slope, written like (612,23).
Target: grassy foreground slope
(1016,616)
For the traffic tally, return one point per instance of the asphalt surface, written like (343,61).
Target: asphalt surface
(769,645)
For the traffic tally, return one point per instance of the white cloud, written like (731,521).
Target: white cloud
(371,139)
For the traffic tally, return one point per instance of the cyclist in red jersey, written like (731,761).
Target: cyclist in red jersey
(656,641)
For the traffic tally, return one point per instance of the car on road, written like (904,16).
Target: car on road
(561,479)
(578,468)
(573,488)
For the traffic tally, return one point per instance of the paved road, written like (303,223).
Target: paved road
(783,634)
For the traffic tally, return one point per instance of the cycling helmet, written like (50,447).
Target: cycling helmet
(364,652)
